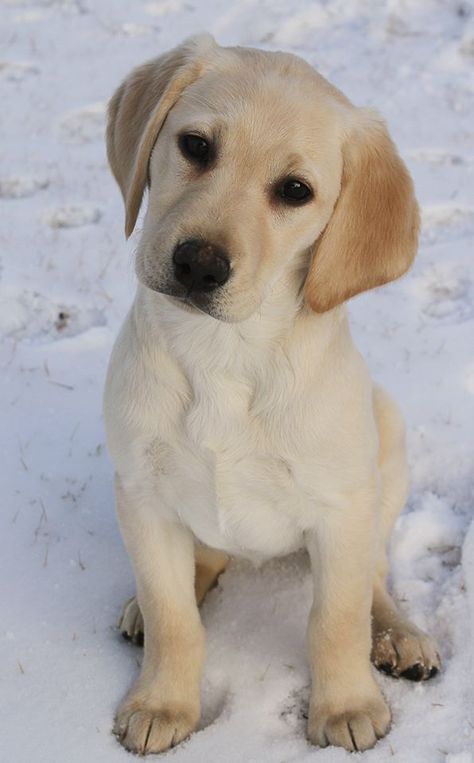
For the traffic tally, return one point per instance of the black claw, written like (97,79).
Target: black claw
(433,672)
(138,638)
(414,673)
(386,667)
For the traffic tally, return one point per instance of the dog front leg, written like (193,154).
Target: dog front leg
(346,706)
(163,707)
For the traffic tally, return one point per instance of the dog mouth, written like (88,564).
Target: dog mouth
(187,299)
(186,303)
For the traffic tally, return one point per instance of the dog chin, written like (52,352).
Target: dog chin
(190,303)
(186,303)
(210,309)
(198,303)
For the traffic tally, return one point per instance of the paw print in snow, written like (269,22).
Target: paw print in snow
(28,315)
(445,294)
(17,71)
(21,186)
(441,221)
(72,216)
(295,711)
(84,125)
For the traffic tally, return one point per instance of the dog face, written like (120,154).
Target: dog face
(243,179)
(256,166)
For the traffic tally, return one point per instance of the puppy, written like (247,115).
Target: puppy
(240,418)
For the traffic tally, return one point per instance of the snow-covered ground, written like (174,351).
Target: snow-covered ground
(66,279)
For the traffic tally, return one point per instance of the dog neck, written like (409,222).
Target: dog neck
(283,330)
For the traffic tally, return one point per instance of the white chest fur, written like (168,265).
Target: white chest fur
(240,431)
(230,482)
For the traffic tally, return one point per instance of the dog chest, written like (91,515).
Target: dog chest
(243,442)
(246,505)
(229,479)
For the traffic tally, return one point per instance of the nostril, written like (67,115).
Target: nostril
(211,280)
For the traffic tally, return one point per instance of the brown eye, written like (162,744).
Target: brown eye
(295,192)
(195,148)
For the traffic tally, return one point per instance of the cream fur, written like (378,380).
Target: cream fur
(253,427)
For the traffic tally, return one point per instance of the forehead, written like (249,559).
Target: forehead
(264,105)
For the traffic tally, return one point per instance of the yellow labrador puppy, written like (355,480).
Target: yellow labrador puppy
(240,418)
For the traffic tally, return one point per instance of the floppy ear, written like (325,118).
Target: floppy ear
(372,236)
(138,110)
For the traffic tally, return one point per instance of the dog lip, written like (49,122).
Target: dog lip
(178,297)
(186,299)
(187,304)
(168,289)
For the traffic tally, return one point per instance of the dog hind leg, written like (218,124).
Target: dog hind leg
(399,648)
(210,563)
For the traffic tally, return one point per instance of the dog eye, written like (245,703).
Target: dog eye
(195,148)
(295,192)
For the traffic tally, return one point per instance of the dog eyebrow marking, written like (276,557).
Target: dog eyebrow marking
(295,166)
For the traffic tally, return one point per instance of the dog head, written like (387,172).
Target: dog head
(256,165)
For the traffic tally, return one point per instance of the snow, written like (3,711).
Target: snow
(66,280)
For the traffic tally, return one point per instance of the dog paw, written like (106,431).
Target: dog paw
(354,729)
(404,651)
(131,622)
(145,729)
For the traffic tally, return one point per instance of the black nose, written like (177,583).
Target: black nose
(200,266)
